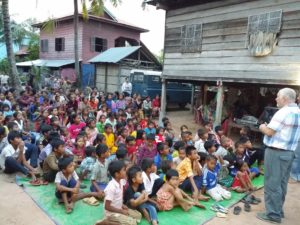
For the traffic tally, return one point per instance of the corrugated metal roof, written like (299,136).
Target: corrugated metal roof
(47,62)
(114,55)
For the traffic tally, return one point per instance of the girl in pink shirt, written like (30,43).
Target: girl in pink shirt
(76,126)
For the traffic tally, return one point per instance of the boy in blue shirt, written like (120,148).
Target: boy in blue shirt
(210,185)
(163,150)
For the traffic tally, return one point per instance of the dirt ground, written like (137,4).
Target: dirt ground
(18,208)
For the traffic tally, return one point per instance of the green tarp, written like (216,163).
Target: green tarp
(84,214)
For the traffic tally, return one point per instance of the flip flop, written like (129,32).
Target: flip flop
(35,182)
(247,207)
(255,199)
(220,208)
(221,215)
(91,201)
(44,182)
(237,210)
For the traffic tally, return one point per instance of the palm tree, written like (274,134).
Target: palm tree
(15,81)
(97,8)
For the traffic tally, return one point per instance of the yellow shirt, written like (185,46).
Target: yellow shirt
(110,142)
(185,169)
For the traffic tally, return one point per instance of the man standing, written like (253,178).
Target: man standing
(127,87)
(281,139)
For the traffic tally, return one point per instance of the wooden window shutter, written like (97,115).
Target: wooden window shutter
(45,45)
(104,45)
(92,46)
(63,44)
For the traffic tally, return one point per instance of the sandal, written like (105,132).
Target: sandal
(221,215)
(221,209)
(91,201)
(237,210)
(255,199)
(44,182)
(35,182)
(247,207)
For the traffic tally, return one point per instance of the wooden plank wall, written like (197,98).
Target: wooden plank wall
(224,54)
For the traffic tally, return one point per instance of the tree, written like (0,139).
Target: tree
(15,81)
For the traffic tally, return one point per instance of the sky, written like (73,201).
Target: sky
(130,11)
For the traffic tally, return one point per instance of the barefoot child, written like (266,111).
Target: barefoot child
(210,186)
(115,210)
(136,197)
(50,166)
(242,182)
(170,195)
(68,184)
(99,177)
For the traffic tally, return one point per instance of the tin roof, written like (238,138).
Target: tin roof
(114,55)
(47,62)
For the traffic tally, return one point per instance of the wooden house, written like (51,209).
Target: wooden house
(241,44)
(96,35)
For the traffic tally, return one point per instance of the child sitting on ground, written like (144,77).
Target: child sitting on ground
(131,148)
(241,155)
(210,185)
(151,180)
(203,136)
(166,165)
(181,156)
(147,150)
(99,177)
(110,138)
(189,177)
(150,129)
(121,153)
(170,195)
(50,166)
(136,197)
(242,182)
(163,153)
(68,184)
(79,149)
(115,210)
(88,162)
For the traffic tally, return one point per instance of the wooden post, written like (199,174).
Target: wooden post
(105,78)
(204,100)
(219,109)
(192,98)
(163,101)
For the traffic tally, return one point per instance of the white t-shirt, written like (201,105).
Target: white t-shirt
(148,183)
(60,176)
(114,193)
(221,152)
(127,87)
(8,151)
(199,145)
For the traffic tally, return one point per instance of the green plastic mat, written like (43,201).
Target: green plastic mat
(84,214)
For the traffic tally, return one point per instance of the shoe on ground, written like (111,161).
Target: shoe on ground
(263,216)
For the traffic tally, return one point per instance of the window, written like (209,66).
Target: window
(138,78)
(155,79)
(98,44)
(59,44)
(191,38)
(44,45)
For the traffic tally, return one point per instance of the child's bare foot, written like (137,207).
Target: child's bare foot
(203,198)
(72,204)
(187,206)
(198,205)
(154,222)
(146,215)
(69,208)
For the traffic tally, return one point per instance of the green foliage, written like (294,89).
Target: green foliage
(97,7)
(49,26)
(160,56)
(4,66)
(33,48)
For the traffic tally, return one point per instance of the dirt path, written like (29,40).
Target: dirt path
(18,208)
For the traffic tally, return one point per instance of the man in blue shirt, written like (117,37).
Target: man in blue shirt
(281,139)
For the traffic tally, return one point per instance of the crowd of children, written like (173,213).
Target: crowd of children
(135,166)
